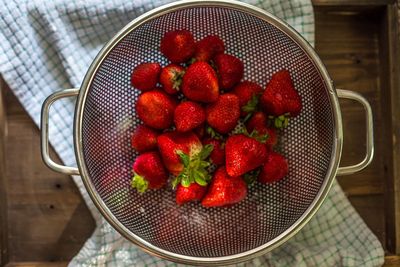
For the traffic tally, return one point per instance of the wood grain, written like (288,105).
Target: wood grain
(392,261)
(348,46)
(358,3)
(390,84)
(3,198)
(48,220)
(37,264)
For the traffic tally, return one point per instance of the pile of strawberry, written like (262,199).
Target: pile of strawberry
(191,123)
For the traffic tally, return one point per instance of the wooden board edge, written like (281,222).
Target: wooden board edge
(3,196)
(361,3)
(392,261)
(390,86)
(37,264)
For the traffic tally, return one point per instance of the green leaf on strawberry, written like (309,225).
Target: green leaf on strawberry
(250,107)
(262,138)
(213,134)
(139,183)
(195,168)
(251,176)
(281,121)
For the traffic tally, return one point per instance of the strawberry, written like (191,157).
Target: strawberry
(200,83)
(224,114)
(217,156)
(208,47)
(145,76)
(144,139)
(194,192)
(243,154)
(171,78)
(280,96)
(258,122)
(248,94)
(170,143)
(274,169)
(156,109)
(149,172)
(230,70)
(188,115)
(224,190)
(178,46)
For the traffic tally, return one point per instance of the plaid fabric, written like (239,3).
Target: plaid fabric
(46,46)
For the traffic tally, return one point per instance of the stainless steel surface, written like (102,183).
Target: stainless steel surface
(44,133)
(369,135)
(271,214)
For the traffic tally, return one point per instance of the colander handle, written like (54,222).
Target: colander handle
(370,132)
(44,132)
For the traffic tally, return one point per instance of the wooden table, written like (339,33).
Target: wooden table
(44,221)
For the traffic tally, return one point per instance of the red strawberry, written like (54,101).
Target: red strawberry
(156,109)
(171,142)
(258,122)
(224,114)
(178,46)
(200,83)
(248,93)
(208,47)
(188,115)
(224,190)
(243,154)
(230,70)
(218,154)
(171,78)
(149,172)
(280,97)
(194,192)
(144,139)
(145,76)
(274,169)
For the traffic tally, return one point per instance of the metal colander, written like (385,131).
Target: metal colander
(105,118)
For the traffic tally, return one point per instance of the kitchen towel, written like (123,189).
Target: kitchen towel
(46,46)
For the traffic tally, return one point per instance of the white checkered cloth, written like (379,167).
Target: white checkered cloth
(46,46)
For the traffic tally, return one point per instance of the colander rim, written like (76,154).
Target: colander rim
(295,227)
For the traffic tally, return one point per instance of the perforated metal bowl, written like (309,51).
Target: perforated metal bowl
(271,214)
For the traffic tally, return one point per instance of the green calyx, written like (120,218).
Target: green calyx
(281,121)
(194,168)
(250,107)
(139,183)
(213,134)
(262,138)
(251,176)
(177,79)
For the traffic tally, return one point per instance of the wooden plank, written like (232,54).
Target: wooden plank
(348,46)
(3,199)
(48,220)
(37,264)
(358,3)
(392,261)
(390,83)
(372,209)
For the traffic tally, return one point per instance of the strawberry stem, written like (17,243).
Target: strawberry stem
(194,168)
(213,134)
(281,121)
(251,106)
(251,176)
(140,183)
(177,79)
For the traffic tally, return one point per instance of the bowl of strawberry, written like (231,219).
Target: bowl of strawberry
(207,144)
